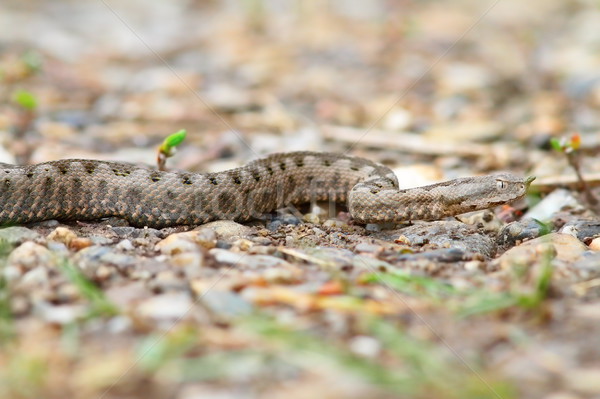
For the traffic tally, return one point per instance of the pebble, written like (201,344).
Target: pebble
(365,346)
(368,248)
(189,241)
(282,220)
(517,232)
(225,303)
(445,234)
(485,220)
(27,256)
(227,229)
(125,245)
(188,260)
(584,380)
(35,277)
(563,247)
(588,266)
(585,230)
(16,235)
(93,257)
(167,280)
(278,275)
(552,203)
(170,306)
(335,223)
(100,240)
(311,218)
(447,255)
(62,234)
(248,261)
(60,314)
(474,265)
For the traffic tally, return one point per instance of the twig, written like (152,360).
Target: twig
(408,142)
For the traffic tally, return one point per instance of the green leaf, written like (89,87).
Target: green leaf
(556,145)
(25,99)
(176,138)
(172,141)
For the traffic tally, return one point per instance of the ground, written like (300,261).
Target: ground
(305,303)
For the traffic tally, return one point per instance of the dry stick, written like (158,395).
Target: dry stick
(583,186)
(549,183)
(408,142)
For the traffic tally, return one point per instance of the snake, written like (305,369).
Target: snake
(86,190)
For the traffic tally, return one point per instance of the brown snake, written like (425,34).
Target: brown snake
(79,189)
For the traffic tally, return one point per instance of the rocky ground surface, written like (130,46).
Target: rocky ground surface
(304,303)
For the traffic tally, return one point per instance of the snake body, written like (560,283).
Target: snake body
(79,189)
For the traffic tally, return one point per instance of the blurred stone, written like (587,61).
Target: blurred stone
(17,235)
(555,201)
(585,230)
(563,247)
(520,231)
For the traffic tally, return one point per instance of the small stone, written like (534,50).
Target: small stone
(187,260)
(29,255)
(100,240)
(34,278)
(584,380)
(170,306)
(17,235)
(563,247)
(335,223)
(227,229)
(517,232)
(311,218)
(261,250)
(62,234)
(189,241)
(242,244)
(487,220)
(226,256)
(79,243)
(555,201)
(104,273)
(585,230)
(278,275)
(89,259)
(368,248)
(207,238)
(61,314)
(474,265)
(125,245)
(365,346)
(225,303)
(445,234)
(246,260)
(373,227)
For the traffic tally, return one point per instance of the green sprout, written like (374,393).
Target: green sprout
(25,99)
(169,146)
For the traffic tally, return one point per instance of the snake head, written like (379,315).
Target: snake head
(490,191)
(509,188)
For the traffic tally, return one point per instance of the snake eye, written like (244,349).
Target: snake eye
(501,184)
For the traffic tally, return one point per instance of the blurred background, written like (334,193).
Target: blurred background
(110,79)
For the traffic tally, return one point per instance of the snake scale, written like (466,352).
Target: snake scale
(79,189)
